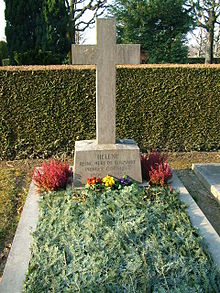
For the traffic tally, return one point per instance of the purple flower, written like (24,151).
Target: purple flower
(125,181)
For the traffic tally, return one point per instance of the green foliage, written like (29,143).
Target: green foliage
(37,57)
(41,32)
(6,62)
(43,111)
(12,198)
(23,18)
(131,240)
(36,31)
(160,26)
(56,21)
(170,108)
(201,60)
(3,51)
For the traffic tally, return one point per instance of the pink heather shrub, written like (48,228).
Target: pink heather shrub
(160,174)
(150,161)
(52,175)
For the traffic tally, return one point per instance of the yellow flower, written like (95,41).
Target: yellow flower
(109,181)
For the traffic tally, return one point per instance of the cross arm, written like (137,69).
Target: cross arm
(128,54)
(84,54)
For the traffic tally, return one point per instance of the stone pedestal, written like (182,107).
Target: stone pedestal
(92,159)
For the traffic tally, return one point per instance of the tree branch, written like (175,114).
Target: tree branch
(96,7)
(88,23)
(89,6)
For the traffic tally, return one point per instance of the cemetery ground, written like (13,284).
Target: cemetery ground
(15,178)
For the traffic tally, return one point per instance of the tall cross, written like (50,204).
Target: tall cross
(106,54)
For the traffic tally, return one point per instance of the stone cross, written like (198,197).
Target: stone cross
(106,54)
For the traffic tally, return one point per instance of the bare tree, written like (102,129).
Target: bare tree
(217,42)
(198,47)
(77,11)
(207,13)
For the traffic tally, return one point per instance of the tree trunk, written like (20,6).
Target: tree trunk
(216,49)
(210,38)
(72,22)
(209,47)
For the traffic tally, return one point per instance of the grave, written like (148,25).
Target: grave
(106,156)
(209,175)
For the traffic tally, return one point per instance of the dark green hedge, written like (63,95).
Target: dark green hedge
(44,110)
(201,60)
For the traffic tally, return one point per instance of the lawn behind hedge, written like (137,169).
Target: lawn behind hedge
(130,240)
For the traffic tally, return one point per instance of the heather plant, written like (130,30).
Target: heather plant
(160,174)
(52,175)
(150,161)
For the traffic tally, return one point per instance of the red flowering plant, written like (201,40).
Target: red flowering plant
(52,175)
(150,161)
(155,168)
(160,174)
(94,183)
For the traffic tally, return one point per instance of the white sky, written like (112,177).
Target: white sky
(2,20)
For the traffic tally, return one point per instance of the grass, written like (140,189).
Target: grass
(12,198)
(132,240)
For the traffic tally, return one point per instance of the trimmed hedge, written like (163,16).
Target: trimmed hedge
(44,110)
(201,60)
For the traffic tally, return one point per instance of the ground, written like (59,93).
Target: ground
(202,196)
(181,162)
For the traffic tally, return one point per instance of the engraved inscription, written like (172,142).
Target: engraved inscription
(83,164)
(107,163)
(107,156)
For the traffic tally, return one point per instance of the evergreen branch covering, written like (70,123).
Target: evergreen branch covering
(132,240)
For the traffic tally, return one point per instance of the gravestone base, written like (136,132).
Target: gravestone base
(98,160)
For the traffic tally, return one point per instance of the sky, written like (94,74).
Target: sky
(2,20)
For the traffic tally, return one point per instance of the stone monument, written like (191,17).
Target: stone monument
(106,156)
